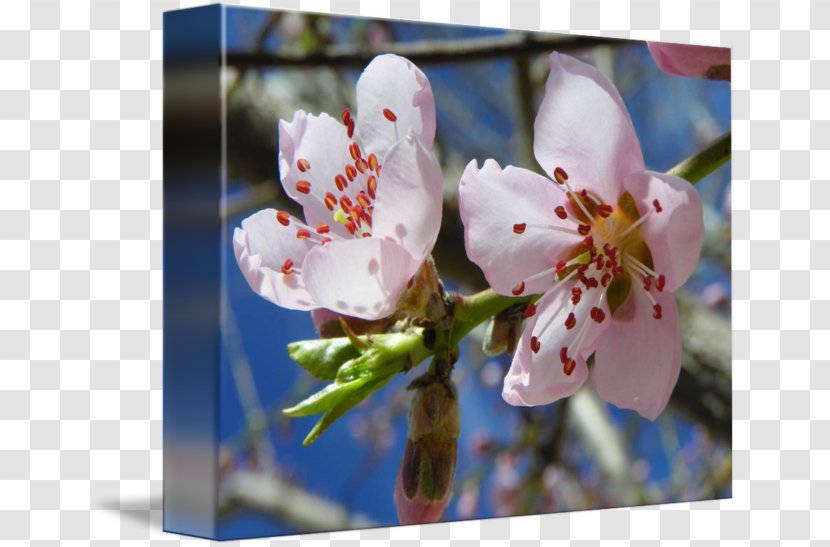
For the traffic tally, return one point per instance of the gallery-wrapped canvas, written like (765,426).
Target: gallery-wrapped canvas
(416,273)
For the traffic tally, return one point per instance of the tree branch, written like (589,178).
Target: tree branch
(426,52)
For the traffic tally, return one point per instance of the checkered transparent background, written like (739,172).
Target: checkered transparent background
(80,268)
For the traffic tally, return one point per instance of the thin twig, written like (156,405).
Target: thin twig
(424,52)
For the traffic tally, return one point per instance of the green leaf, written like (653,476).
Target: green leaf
(323,358)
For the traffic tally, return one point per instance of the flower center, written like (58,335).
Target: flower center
(602,269)
(350,201)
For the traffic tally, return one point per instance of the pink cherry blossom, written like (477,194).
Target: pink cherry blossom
(689,60)
(606,242)
(372,209)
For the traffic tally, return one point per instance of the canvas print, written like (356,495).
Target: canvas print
(417,273)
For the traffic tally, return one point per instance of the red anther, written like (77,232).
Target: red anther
(351,172)
(340,182)
(561,212)
(560,176)
(560,266)
(588,242)
(303,165)
(372,187)
(576,294)
(361,165)
(302,233)
(605,210)
(389,115)
(584,229)
(378,170)
(657,206)
(618,270)
(597,314)
(303,187)
(330,201)
(530,311)
(366,218)
(350,129)
(354,151)
(535,345)
(350,226)
(600,262)
(606,279)
(647,283)
(325,240)
(563,355)
(346,116)
(518,289)
(365,235)
(345,204)
(288,267)
(373,162)
(591,282)
(283,217)
(610,250)
(354,212)
(584,194)
(519,228)
(569,367)
(323,228)
(658,311)
(582,268)
(660,284)
(363,199)
(570,322)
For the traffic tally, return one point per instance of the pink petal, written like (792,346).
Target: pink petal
(359,277)
(321,141)
(409,198)
(262,245)
(539,378)
(394,83)
(583,127)
(690,60)
(637,361)
(675,235)
(492,201)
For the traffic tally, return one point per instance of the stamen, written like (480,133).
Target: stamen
(606,279)
(341,182)
(351,172)
(303,165)
(346,116)
(373,162)
(372,186)
(559,175)
(323,228)
(660,284)
(361,165)
(519,228)
(605,210)
(645,269)
(349,224)
(588,242)
(563,355)
(657,206)
(584,229)
(569,368)
(576,295)
(363,199)
(658,311)
(597,314)
(389,115)
(570,322)
(350,129)
(330,201)
(288,267)
(561,213)
(302,233)
(535,345)
(345,204)
(354,151)
(303,187)
(530,311)
(283,217)
(518,289)
(647,283)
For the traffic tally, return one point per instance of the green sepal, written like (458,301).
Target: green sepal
(323,358)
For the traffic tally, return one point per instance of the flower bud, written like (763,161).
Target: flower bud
(425,478)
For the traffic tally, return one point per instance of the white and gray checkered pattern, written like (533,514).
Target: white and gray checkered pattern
(80,268)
